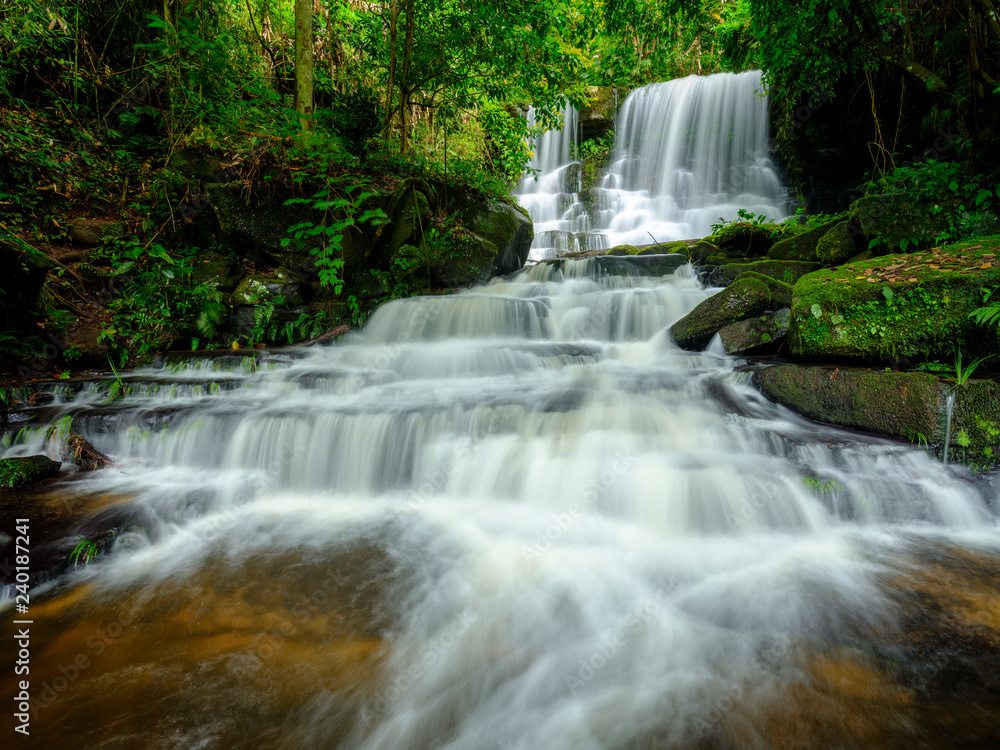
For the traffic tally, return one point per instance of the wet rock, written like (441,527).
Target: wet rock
(787,271)
(747,297)
(802,246)
(18,472)
(640,265)
(761,335)
(908,405)
(840,244)
(597,116)
(84,455)
(899,309)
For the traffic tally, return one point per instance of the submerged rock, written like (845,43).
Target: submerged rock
(18,472)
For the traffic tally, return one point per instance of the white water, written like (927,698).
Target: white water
(688,153)
(597,540)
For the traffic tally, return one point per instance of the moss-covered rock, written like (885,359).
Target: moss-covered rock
(17,472)
(410,213)
(801,246)
(781,293)
(257,288)
(898,308)
(623,250)
(94,232)
(908,405)
(507,228)
(895,217)
(788,271)
(747,297)
(640,265)
(840,244)
(667,248)
(756,335)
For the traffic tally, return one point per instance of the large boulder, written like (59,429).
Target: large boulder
(94,232)
(908,405)
(895,217)
(597,116)
(747,297)
(17,472)
(899,308)
(506,227)
(260,288)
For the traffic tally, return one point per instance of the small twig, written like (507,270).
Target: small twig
(653,238)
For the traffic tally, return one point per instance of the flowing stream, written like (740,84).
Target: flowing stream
(515,517)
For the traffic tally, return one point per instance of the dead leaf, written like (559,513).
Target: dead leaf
(872,281)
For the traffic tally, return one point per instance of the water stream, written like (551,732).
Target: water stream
(515,517)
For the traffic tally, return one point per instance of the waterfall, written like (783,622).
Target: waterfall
(688,153)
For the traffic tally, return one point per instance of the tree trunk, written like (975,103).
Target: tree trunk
(406,90)
(304,63)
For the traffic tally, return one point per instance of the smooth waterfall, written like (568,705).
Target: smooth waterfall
(689,153)
(514,517)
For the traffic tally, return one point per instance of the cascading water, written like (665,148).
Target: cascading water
(515,517)
(688,153)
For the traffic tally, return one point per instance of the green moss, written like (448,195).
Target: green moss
(16,472)
(747,297)
(800,246)
(975,423)
(788,271)
(842,312)
(667,248)
(623,250)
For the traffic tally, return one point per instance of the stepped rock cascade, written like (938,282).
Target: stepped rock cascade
(549,189)
(514,517)
(688,153)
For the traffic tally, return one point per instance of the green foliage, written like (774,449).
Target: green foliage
(341,211)
(987,315)
(84,551)
(159,302)
(962,374)
(821,488)
(963,200)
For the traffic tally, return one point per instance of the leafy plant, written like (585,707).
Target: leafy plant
(341,209)
(84,551)
(962,374)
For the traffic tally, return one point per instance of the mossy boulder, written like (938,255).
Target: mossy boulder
(781,293)
(788,271)
(908,405)
(756,335)
(17,472)
(747,297)
(196,165)
(898,308)
(840,244)
(597,116)
(507,228)
(895,217)
(666,248)
(801,246)
(623,250)
(257,288)
(94,232)
(258,222)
